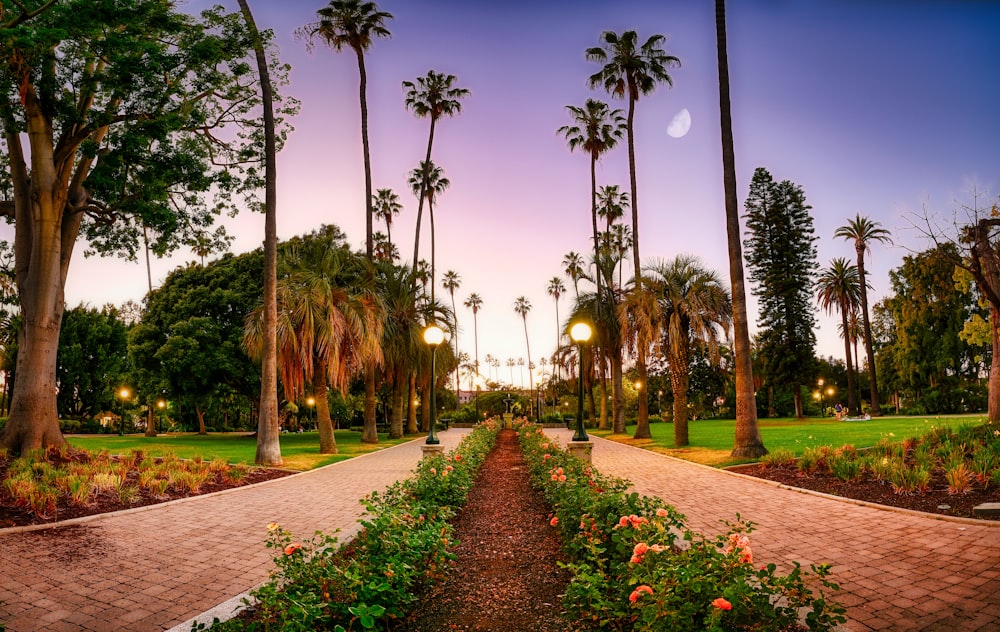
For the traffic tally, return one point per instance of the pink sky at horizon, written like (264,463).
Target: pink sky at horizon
(875,108)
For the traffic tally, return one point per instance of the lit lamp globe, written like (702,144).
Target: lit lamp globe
(580,333)
(433,336)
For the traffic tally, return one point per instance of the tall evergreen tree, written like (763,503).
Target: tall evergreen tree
(781,254)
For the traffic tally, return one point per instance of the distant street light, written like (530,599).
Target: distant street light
(580,333)
(433,336)
(160,405)
(124,394)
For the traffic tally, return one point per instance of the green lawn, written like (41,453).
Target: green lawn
(300,451)
(711,440)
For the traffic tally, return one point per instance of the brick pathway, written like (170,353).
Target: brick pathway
(897,570)
(152,568)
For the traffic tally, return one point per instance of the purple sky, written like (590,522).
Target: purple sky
(877,107)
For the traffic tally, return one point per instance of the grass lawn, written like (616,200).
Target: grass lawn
(300,451)
(711,440)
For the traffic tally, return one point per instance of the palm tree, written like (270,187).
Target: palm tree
(596,130)
(268,444)
(451,282)
(838,287)
(522,306)
(329,325)
(612,203)
(573,266)
(691,307)
(511,363)
(386,206)
(402,341)
(474,302)
(620,240)
(432,96)
(428,181)
(629,72)
(354,24)
(863,232)
(555,290)
(747,441)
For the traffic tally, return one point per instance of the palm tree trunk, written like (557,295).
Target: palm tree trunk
(369,434)
(420,201)
(327,438)
(398,389)
(642,422)
(363,89)
(268,423)
(593,218)
(411,406)
(869,351)
(617,396)
(852,398)
(679,383)
(748,443)
(531,379)
(604,395)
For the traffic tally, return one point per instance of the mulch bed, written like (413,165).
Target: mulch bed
(506,577)
(936,499)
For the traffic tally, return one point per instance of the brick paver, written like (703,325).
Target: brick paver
(152,568)
(897,570)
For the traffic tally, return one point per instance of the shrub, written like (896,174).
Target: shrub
(845,467)
(779,457)
(959,478)
(906,480)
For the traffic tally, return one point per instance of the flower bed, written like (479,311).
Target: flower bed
(403,546)
(636,566)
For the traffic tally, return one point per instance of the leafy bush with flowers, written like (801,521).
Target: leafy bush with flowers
(318,584)
(635,566)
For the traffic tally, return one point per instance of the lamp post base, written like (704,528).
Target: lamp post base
(508,420)
(581,450)
(431,450)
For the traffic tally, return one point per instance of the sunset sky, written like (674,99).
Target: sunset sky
(883,108)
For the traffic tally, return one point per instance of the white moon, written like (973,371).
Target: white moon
(680,124)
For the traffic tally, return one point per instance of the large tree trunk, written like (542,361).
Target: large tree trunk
(679,382)
(369,434)
(150,421)
(993,397)
(642,421)
(748,443)
(617,396)
(268,424)
(396,416)
(872,381)
(327,438)
(852,398)
(604,394)
(202,430)
(411,406)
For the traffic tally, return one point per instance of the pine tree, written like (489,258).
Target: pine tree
(781,255)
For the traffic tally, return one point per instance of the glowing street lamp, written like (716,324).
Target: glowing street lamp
(822,405)
(160,405)
(311,403)
(433,336)
(580,333)
(124,394)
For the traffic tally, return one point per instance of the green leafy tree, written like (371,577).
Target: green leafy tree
(838,288)
(431,96)
(108,131)
(863,231)
(93,357)
(630,71)
(781,253)
(747,441)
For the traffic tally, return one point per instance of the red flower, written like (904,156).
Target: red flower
(554,521)
(293,547)
(722,604)
(638,591)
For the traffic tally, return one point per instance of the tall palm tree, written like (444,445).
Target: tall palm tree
(838,288)
(631,70)
(612,203)
(386,206)
(620,240)
(691,307)
(354,24)
(432,96)
(329,325)
(573,267)
(522,306)
(863,231)
(427,181)
(596,130)
(556,289)
(474,302)
(747,442)
(451,282)
(511,363)
(268,444)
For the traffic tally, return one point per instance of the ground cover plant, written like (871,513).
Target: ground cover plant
(67,482)
(711,440)
(300,451)
(943,470)
(636,566)
(319,584)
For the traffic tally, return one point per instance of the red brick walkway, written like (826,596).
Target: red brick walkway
(897,570)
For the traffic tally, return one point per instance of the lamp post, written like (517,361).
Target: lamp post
(580,333)
(822,405)
(160,405)
(123,393)
(433,336)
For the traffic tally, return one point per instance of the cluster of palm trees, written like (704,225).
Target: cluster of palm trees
(843,287)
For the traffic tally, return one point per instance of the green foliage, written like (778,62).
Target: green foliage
(636,566)
(92,360)
(782,262)
(403,547)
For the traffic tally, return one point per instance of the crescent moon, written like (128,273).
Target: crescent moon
(680,124)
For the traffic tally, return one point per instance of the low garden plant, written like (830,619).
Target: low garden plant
(635,566)
(321,584)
